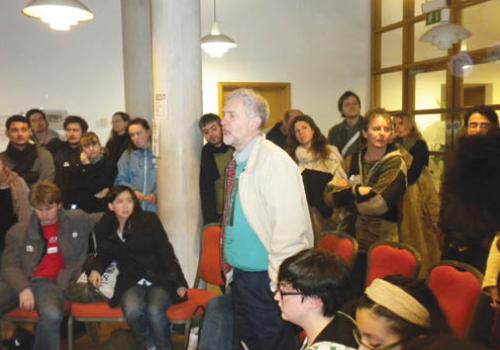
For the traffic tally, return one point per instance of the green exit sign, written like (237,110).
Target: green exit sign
(433,17)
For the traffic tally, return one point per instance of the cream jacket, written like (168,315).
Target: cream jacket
(274,203)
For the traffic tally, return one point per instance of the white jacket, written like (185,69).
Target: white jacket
(274,203)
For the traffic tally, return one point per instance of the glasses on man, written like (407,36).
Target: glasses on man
(359,340)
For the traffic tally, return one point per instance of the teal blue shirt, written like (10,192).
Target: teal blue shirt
(242,247)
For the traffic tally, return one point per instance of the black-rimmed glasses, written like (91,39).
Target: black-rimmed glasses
(284,294)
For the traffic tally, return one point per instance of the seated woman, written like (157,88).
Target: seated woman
(150,277)
(419,225)
(98,173)
(137,165)
(312,286)
(377,182)
(318,162)
(395,310)
(14,202)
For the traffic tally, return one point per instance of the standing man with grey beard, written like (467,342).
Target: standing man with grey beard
(266,219)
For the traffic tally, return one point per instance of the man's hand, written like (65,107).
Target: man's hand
(95,278)
(27,300)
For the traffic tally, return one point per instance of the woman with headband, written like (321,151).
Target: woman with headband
(395,310)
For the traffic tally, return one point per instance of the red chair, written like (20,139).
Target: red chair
(457,287)
(209,270)
(392,258)
(343,245)
(95,313)
(22,316)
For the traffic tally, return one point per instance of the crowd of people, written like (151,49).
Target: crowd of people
(274,195)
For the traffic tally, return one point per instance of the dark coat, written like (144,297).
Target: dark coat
(146,253)
(69,175)
(97,177)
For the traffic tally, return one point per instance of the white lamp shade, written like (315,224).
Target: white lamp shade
(59,14)
(217,44)
(444,35)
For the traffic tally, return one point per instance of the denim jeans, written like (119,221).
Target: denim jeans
(217,330)
(145,311)
(49,302)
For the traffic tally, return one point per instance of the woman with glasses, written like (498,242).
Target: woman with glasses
(312,287)
(98,174)
(395,310)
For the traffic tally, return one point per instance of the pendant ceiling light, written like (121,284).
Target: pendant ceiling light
(444,34)
(59,14)
(216,44)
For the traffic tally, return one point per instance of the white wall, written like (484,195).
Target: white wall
(321,47)
(80,70)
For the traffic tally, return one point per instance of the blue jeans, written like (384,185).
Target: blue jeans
(49,303)
(257,317)
(145,311)
(216,332)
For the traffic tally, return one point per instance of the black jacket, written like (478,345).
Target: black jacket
(97,177)
(69,175)
(146,253)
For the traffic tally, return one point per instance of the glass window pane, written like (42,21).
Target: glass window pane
(391,88)
(391,52)
(482,21)
(482,84)
(392,11)
(430,90)
(418,7)
(424,51)
(433,129)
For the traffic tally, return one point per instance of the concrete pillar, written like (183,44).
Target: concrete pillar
(137,65)
(176,139)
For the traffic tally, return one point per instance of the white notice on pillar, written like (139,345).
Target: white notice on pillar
(160,113)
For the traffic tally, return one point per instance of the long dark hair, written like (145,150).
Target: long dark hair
(137,121)
(111,196)
(318,143)
(125,117)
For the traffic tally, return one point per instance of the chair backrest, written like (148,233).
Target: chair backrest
(392,258)
(343,245)
(457,287)
(210,264)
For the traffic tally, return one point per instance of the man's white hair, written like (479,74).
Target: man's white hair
(255,105)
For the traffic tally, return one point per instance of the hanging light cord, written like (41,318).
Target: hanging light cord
(215,12)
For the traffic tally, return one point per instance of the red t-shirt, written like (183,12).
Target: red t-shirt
(53,261)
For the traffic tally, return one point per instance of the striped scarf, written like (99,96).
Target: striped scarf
(228,187)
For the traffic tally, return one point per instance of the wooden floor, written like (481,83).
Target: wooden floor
(83,342)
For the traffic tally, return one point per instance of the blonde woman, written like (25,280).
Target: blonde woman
(419,225)
(377,182)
